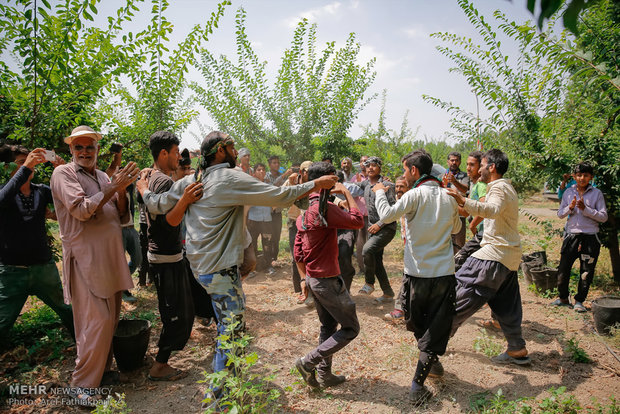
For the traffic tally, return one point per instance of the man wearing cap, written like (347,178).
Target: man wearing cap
(380,234)
(243,159)
(90,208)
(215,228)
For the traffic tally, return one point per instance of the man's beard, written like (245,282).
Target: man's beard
(232,161)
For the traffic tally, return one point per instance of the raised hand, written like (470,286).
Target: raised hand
(34,158)
(121,179)
(460,199)
(580,204)
(192,193)
(326,182)
(379,186)
(573,203)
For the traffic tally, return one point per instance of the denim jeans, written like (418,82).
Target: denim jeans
(228,300)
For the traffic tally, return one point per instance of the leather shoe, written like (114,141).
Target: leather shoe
(331,380)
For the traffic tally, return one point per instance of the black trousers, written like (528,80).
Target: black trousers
(176,306)
(586,248)
(346,245)
(429,309)
(334,306)
(373,258)
(292,233)
(144,275)
(487,281)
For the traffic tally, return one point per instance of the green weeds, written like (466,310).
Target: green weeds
(487,345)
(575,352)
(113,405)
(244,390)
(558,402)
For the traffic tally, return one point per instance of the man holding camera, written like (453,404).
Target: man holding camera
(26,262)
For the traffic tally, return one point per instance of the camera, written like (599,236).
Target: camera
(116,147)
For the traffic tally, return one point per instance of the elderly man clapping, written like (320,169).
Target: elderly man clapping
(89,206)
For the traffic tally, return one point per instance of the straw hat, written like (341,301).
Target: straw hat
(81,131)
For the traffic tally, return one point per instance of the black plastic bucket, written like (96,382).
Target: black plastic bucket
(532,261)
(131,340)
(606,312)
(545,278)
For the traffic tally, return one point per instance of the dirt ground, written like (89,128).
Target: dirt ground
(380,362)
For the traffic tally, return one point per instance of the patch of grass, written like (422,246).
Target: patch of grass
(39,331)
(149,315)
(487,345)
(559,402)
(576,353)
(546,294)
(614,335)
(486,403)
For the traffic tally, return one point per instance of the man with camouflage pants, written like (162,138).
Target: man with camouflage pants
(215,231)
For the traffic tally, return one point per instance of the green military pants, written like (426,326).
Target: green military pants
(19,282)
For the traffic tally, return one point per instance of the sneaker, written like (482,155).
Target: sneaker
(383,299)
(308,374)
(419,395)
(513,357)
(436,370)
(128,297)
(561,302)
(309,302)
(578,306)
(395,315)
(331,380)
(271,270)
(367,289)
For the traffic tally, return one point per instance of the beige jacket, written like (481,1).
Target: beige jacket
(500,240)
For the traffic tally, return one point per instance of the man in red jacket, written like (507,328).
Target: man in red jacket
(316,254)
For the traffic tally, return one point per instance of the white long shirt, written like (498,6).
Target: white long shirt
(432,217)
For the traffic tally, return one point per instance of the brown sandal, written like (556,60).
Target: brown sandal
(491,324)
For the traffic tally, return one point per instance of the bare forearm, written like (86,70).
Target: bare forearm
(175,216)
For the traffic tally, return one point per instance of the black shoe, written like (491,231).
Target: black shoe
(309,375)
(420,395)
(331,380)
(436,370)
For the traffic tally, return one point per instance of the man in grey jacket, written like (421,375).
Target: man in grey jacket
(214,238)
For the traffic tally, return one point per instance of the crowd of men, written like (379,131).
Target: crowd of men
(199,238)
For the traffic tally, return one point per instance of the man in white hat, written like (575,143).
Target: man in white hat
(89,206)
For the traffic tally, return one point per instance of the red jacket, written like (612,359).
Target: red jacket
(316,245)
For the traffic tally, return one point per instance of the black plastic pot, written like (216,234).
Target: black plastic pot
(606,312)
(532,261)
(535,256)
(130,343)
(544,278)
